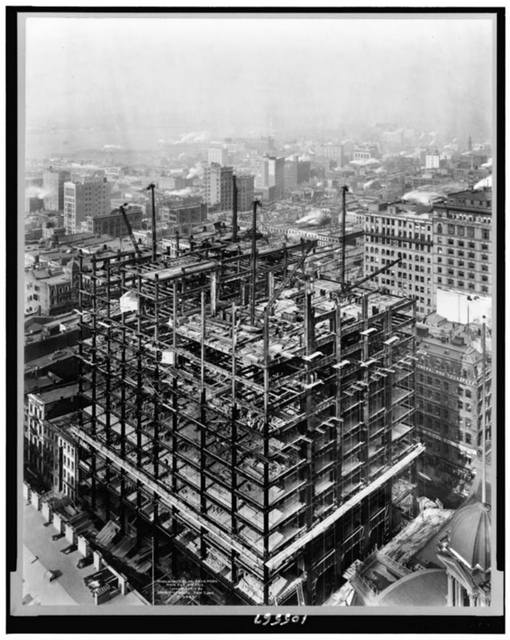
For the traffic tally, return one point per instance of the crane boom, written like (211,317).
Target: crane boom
(372,275)
(130,230)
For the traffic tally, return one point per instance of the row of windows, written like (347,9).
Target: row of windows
(460,284)
(418,257)
(461,231)
(394,242)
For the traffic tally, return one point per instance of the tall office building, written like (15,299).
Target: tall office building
(274,174)
(245,189)
(303,171)
(271,176)
(218,155)
(218,186)
(85,199)
(400,230)
(226,188)
(53,186)
(462,254)
(291,173)
(212,184)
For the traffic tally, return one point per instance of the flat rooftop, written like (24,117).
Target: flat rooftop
(59,393)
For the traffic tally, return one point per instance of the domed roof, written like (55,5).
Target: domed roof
(470,535)
(425,588)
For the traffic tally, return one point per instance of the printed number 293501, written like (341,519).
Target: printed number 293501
(278,619)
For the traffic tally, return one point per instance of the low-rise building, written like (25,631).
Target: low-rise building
(112,223)
(183,216)
(48,292)
(41,441)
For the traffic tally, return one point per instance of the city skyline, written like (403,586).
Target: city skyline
(100,80)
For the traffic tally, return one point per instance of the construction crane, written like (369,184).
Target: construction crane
(290,276)
(256,203)
(130,230)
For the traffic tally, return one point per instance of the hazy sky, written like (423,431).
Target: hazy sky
(235,75)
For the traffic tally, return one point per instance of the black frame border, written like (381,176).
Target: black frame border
(233,624)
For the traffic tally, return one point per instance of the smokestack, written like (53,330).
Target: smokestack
(234,208)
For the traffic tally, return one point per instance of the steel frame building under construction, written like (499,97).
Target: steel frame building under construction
(244,420)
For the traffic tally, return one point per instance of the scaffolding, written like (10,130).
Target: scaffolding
(244,411)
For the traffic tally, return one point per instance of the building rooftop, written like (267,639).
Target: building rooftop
(48,359)
(426,588)
(58,393)
(469,535)
(58,279)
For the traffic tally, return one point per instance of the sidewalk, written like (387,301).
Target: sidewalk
(68,589)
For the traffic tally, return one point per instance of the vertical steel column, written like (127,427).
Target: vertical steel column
(253,261)
(234,208)
(80,342)
(265,497)
(108,403)
(342,264)
(93,487)
(203,439)
(233,448)
(308,329)
(155,430)
(174,413)
(123,417)
(152,187)
(339,425)
(139,405)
